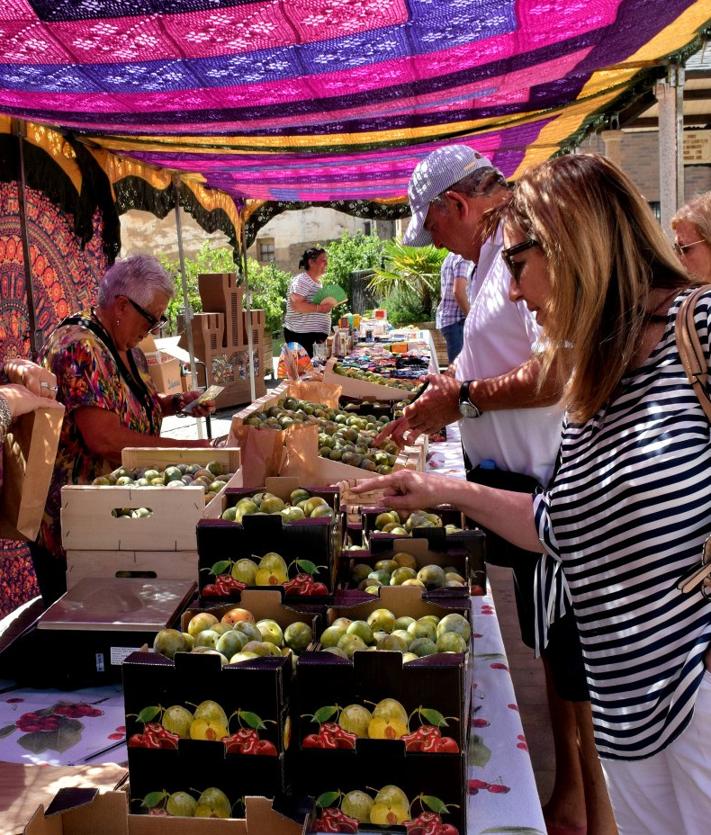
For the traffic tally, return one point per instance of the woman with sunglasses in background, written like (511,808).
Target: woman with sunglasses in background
(109,396)
(692,229)
(628,510)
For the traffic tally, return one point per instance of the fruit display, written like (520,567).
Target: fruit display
(343,436)
(230,576)
(338,811)
(373,377)
(234,637)
(299,505)
(390,521)
(164,727)
(212,478)
(404,569)
(383,630)
(208,803)
(341,727)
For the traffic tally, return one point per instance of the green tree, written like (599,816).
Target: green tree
(350,253)
(410,271)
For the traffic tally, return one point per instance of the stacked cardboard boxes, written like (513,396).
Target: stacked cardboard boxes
(221,342)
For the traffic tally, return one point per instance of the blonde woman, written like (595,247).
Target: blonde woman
(629,508)
(692,230)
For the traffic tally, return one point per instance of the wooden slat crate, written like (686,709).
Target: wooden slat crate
(162,565)
(87,516)
(362,388)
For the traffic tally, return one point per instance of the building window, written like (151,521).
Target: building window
(367,226)
(265,251)
(656,208)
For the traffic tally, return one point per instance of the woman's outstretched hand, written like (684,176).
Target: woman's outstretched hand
(409,490)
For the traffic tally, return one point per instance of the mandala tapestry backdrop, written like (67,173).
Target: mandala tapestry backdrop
(64,280)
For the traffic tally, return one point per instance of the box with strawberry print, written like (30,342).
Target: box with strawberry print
(271,548)
(388,791)
(377,697)
(194,707)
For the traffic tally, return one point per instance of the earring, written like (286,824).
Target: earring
(118,322)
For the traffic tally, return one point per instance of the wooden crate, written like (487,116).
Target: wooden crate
(323,469)
(87,516)
(221,293)
(162,565)
(362,388)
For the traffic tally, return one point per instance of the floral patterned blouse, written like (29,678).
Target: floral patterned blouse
(87,370)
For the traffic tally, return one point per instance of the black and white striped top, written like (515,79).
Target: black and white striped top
(627,514)
(303,285)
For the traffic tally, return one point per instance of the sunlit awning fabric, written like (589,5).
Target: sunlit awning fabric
(329,100)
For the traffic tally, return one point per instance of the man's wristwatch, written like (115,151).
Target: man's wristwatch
(467,409)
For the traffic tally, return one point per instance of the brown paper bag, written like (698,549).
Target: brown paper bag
(314,392)
(261,452)
(29,453)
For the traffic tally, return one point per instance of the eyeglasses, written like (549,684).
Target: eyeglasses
(680,249)
(515,267)
(154,324)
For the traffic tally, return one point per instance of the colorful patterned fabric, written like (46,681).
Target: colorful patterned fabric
(87,375)
(331,99)
(64,274)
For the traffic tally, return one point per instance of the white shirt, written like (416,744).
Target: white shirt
(498,337)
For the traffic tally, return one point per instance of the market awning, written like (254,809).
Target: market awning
(324,100)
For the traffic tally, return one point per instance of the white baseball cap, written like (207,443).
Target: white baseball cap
(434,175)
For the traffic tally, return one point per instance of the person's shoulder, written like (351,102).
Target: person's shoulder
(73,337)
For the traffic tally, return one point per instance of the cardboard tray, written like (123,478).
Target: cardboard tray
(440,775)
(88,522)
(86,812)
(457,557)
(316,540)
(362,388)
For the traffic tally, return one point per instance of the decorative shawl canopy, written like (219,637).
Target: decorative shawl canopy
(331,100)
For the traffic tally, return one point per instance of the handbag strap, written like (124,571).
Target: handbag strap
(691,351)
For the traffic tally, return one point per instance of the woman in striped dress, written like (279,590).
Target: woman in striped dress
(307,322)
(629,508)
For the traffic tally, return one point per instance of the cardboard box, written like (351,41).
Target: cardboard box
(221,542)
(164,358)
(457,557)
(87,511)
(91,813)
(29,453)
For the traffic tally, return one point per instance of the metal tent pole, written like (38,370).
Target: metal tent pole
(248,311)
(188,311)
(35,346)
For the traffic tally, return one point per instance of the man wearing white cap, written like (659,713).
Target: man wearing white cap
(510,424)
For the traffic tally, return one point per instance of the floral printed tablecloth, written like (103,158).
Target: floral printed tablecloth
(502,789)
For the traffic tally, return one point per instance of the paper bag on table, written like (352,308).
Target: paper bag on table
(29,453)
(261,452)
(300,452)
(327,394)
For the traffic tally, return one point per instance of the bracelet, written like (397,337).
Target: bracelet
(5,417)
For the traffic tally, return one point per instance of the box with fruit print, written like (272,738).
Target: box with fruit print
(378,698)
(405,563)
(192,717)
(284,545)
(199,779)
(388,791)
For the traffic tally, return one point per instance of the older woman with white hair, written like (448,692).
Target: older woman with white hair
(109,397)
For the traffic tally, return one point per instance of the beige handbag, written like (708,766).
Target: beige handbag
(693,359)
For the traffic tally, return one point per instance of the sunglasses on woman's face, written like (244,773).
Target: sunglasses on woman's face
(515,267)
(154,325)
(680,249)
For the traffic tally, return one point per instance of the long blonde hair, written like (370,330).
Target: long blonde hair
(605,253)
